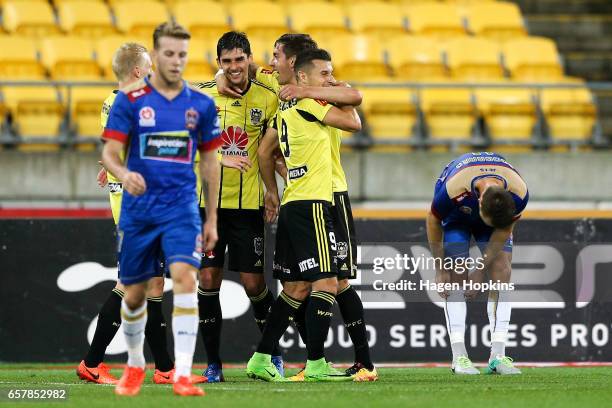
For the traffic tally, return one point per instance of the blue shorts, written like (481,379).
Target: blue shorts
(457,238)
(140,245)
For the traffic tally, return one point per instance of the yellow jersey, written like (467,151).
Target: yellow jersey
(114,185)
(305,143)
(243,122)
(270,78)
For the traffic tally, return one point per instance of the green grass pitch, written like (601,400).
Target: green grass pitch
(397,387)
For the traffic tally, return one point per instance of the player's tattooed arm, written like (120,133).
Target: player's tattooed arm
(340,94)
(435,237)
(344,118)
(209,174)
(133,182)
(267,163)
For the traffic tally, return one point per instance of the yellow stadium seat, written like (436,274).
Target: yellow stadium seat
(69,58)
(474,59)
(570,113)
(106,47)
(199,66)
(85,106)
(37,115)
(532,59)
(496,20)
(18,59)
(390,113)
(415,58)
(204,19)
(139,18)
(383,19)
(33,18)
(319,19)
(85,18)
(357,58)
(449,113)
(435,19)
(262,48)
(509,113)
(259,18)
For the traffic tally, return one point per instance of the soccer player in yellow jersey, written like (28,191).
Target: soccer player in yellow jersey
(131,63)
(243,122)
(306,247)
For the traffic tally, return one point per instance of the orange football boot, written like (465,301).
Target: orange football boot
(185,388)
(99,375)
(130,381)
(167,377)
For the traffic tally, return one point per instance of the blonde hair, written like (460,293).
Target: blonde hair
(128,56)
(169,29)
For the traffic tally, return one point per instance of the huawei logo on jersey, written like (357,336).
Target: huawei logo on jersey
(235,141)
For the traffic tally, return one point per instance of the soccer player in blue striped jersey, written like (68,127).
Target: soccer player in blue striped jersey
(478,195)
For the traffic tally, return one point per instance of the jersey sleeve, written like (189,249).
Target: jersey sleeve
(210,137)
(268,78)
(520,205)
(271,111)
(119,124)
(442,204)
(314,107)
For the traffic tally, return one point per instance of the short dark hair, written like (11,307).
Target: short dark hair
(498,205)
(304,59)
(232,40)
(169,29)
(293,44)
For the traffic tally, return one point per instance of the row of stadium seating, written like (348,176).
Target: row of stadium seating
(355,57)
(445,115)
(208,19)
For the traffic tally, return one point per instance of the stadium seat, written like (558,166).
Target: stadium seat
(259,18)
(449,113)
(199,66)
(357,58)
(496,20)
(382,19)
(139,18)
(390,113)
(439,20)
(509,113)
(37,115)
(85,105)
(85,18)
(474,59)
(69,58)
(205,20)
(262,48)
(29,17)
(532,59)
(415,58)
(321,20)
(570,113)
(18,59)
(107,46)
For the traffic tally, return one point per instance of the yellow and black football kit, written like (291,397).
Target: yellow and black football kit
(114,185)
(305,242)
(243,122)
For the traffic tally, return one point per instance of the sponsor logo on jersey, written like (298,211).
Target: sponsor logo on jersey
(166,146)
(235,141)
(297,172)
(147,116)
(342,250)
(465,209)
(284,105)
(256,116)
(278,267)
(324,313)
(308,264)
(258,245)
(191,118)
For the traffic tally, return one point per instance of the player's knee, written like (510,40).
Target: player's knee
(184,280)
(329,285)
(342,284)
(210,278)
(297,290)
(253,283)
(134,299)
(156,287)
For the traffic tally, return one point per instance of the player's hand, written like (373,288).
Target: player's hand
(102,178)
(442,277)
(210,237)
(271,204)
(289,92)
(225,87)
(342,84)
(236,162)
(474,276)
(134,183)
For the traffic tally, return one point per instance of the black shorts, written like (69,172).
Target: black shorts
(305,242)
(241,232)
(344,228)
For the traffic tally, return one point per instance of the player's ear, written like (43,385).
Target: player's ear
(292,61)
(302,77)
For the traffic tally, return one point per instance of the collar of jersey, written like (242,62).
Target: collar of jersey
(184,90)
(475,179)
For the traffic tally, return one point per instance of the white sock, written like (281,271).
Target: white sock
(455,311)
(185,321)
(499,310)
(133,323)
